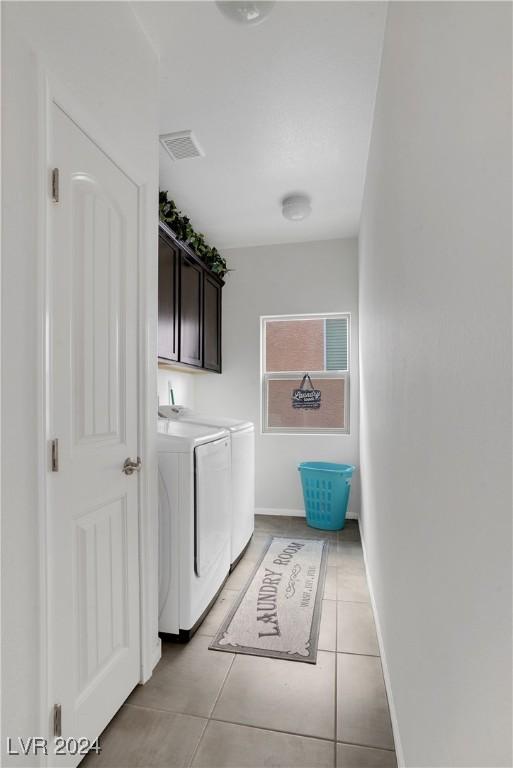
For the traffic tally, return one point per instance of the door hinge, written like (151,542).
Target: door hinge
(55,185)
(55,455)
(57,720)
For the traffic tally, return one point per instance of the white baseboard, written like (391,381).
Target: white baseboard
(157,654)
(280,511)
(289,512)
(393,713)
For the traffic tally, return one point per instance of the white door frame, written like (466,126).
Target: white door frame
(51,90)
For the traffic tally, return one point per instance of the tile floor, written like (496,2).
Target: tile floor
(208,709)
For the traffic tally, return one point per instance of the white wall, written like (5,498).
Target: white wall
(435,339)
(98,53)
(182,384)
(297,278)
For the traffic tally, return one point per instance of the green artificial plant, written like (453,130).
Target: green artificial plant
(183,230)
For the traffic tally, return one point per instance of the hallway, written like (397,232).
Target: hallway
(209,709)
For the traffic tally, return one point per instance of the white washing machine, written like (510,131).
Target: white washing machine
(243,471)
(194,522)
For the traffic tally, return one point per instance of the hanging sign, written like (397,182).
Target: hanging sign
(306,398)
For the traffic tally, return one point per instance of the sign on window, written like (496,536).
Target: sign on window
(306,396)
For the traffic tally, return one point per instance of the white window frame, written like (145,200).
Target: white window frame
(265,377)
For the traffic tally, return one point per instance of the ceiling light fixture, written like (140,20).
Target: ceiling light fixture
(296,207)
(247,13)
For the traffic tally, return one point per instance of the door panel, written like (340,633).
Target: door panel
(212,324)
(97,319)
(101,595)
(93,505)
(191,320)
(168,301)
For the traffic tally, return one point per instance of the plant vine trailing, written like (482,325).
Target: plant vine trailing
(183,230)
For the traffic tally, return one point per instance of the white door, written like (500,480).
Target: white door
(93,505)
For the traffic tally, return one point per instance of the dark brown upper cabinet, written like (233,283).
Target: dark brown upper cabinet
(212,324)
(169,280)
(191,311)
(190,307)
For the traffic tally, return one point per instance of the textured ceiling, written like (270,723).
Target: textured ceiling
(282,107)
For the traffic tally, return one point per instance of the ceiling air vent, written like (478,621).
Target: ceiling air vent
(181,145)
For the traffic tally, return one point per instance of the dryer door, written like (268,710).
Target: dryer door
(212,503)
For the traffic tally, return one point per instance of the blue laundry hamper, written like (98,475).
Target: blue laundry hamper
(326,490)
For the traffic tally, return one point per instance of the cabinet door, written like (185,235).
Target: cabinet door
(212,324)
(191,312)
(168,301)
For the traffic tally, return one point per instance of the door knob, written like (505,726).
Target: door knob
(132,465)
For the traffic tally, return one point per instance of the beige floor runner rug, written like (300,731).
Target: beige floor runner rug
(277,614)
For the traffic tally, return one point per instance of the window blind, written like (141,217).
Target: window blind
(336,344)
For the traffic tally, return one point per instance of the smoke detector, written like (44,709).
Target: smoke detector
(296,207)
(244,12)
(181,145)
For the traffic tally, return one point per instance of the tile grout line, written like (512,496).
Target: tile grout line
(222,686)
(165,711)
(366,746)
(354,653)
(194,751)
(274,730)
(209,718)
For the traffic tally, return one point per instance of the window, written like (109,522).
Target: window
(305,373)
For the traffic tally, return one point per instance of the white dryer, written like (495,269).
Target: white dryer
(243,471)
(194,522)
